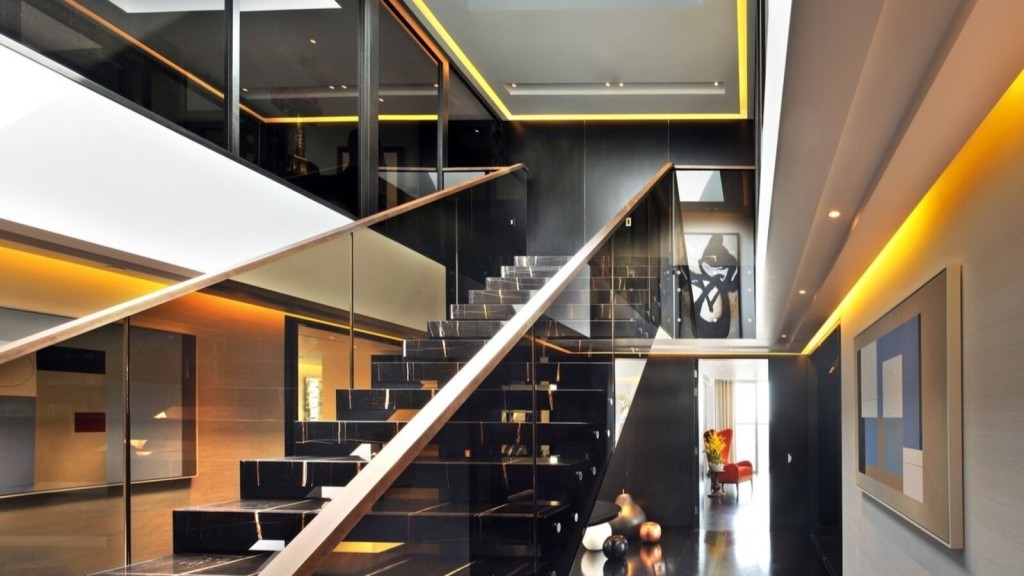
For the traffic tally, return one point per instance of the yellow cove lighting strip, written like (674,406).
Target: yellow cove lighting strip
(1002,126)
(741,48)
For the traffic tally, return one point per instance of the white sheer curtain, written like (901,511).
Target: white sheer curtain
(723,404)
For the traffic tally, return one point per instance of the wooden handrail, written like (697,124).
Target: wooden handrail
(349,504)
(94,320)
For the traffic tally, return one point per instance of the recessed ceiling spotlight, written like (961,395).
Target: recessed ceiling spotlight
(608,84)
(244,89)
(801,292)
(621,84)
(381,100)
(435,85)
(312,40)
(514,85)
(833,214)
(344,87)
(784,336)
(716,83)
(330,86)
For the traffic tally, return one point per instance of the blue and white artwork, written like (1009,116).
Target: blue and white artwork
(890,409)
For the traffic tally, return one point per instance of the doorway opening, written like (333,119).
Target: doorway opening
(733,399)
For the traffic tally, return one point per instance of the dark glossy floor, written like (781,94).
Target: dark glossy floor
(734,540)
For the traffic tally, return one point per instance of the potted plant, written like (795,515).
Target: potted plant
(714,445)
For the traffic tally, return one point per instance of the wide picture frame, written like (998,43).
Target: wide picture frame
(910,409)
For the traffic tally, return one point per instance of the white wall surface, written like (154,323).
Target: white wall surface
(75,163)
(977,223)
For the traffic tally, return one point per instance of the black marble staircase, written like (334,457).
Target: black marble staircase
(503,488)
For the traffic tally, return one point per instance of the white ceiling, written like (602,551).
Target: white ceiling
(578,52)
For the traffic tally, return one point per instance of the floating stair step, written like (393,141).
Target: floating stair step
(526,283)
(235,526)
(544,328)
(561,404)
(541,260)
(351,402)
(446,562)
(556,311)
(566,441)
(429,521)
(200,564)
(482,311)
(454,349)
(500,296)
(398,372)
(330,438)
(464,328)
(529,271)
(569,296)
(294,477)
(430,374)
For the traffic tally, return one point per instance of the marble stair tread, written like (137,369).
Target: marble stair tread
(294,477)
(541,260)
(563,312)
(261,506)
(440,564)
(386,372)
(524,283)
(194,564)
(459,350)
(482,311)
(529,271)
(465,509)
(500,296)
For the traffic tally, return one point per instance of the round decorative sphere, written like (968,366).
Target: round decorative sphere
(594,536)
(631,516)
(615,547)
(650,532)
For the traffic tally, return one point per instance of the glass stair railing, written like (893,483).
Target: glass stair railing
(403,396)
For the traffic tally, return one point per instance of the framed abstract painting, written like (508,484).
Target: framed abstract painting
(909,409)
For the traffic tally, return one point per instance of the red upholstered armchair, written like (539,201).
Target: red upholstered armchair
(734,472)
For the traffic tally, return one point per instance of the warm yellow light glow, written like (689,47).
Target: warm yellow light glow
(833,214)
(461,57)
(740,114)
(38,283)
(741,53)
(656,116)
(1003,125)
(366,547)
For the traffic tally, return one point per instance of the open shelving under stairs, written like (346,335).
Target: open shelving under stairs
(504,488)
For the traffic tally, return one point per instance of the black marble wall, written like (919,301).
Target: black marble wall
(581,172)
(654,459)
(791,458)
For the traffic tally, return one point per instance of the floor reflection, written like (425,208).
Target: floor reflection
(734,540)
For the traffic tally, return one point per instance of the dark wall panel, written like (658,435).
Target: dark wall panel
(554,155)
(619,160)
(654,459)
(726,143)
(789,445)
(825,372)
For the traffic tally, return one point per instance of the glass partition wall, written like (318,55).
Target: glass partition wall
(278,86)
(237,411)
